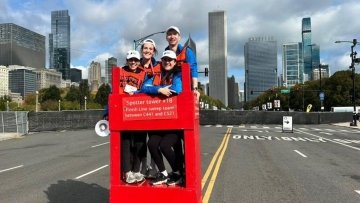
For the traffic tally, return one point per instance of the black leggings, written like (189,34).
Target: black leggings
(133,149)
(163,143)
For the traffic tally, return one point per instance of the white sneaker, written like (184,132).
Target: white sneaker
(129,177)
(139,177)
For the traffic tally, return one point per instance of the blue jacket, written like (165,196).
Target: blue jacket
(149,88)
(190,58)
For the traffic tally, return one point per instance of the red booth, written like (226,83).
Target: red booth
(145,113)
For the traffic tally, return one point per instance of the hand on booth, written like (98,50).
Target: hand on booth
(166,91)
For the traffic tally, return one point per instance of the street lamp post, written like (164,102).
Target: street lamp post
(138,41)
(36,101)
(321,94)
(352,67)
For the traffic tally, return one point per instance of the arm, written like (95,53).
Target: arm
(191,59)
(177,83)
(148,86)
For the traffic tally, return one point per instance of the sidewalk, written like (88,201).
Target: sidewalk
(6,136)
(347,124)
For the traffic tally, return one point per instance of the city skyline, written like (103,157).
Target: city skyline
(98,31)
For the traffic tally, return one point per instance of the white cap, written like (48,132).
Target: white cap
(150,41)
(173,28)
(169,53)
(133,54)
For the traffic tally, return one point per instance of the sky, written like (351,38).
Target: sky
(104,28)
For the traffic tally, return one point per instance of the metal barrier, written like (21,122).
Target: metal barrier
(14,122)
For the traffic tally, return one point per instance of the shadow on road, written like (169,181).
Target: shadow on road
(76,191)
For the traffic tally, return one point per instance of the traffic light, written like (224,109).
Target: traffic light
(206,72)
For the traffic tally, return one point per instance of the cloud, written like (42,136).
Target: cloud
(101,27)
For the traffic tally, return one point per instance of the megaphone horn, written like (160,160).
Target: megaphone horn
(102,128)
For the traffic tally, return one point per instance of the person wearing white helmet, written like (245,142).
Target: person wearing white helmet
(148,51)
(133,144)
(167,83)
(183,54)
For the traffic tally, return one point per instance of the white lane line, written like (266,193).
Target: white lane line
(357,191)
(301,154)
(326,133)
(100,144)
(93,171)
(331,140)
(8,169)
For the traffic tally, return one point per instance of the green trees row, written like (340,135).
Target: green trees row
(72,98)
(338,90)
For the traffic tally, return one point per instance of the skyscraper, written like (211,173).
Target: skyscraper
(233,93)
(218,56)
(59,43)
(292,64)
(22,47)
(94,76)
(260,66)
(191,44)
(306,41)
(108,69)
(311,52)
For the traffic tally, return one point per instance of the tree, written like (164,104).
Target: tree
(51,93)
(339,89)
(3,102)
(84,91)
(30,99)
(103,94)
(73,94)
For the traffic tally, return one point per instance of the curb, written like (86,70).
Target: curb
(7,136)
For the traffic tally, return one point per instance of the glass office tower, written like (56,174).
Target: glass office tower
(292,64)
(59,43)
(307,48)
(260,66)
(21,46)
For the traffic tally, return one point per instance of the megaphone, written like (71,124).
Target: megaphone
(102,128)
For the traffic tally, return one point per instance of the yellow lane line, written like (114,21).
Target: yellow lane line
(216,170)
(210,167)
